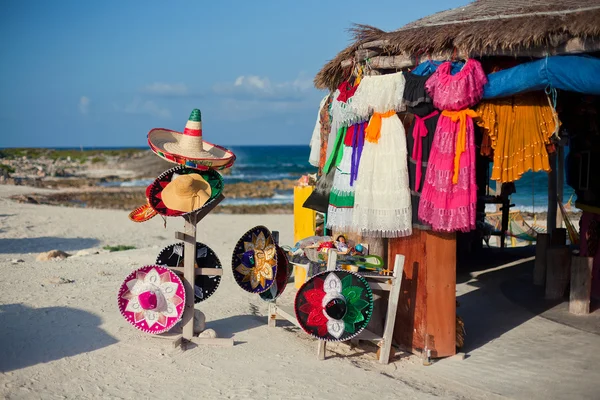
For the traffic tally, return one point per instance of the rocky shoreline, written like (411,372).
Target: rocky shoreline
(78,178)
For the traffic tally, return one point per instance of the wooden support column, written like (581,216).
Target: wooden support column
(552,204)
(426,316)
(560,180)
(189,275)
(581,285)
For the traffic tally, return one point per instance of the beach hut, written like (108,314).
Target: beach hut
(503,36)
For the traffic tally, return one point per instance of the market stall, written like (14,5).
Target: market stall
(417,121)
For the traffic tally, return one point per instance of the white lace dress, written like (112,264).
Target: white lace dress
(382,201)
(341,199)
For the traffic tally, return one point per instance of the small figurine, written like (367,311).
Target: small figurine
(341,244)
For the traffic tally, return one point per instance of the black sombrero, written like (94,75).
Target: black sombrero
(334,305)
(254,260)
(204,285)
(284,269)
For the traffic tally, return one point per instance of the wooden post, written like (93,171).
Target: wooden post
(189,275)
(558,272)
(581,285)
(539,269)
(560,180)
(552,204)
(390,319)
(331,263)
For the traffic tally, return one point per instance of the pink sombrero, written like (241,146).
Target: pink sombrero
(187,147)
(152,299)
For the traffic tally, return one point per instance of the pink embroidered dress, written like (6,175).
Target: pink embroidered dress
(449,197)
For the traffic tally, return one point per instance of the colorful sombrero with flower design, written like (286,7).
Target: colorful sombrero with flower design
(145,212)
(204,285)
(156,201)
(254,260)
(284,269)
(334,305)
(152,299)
(187,147)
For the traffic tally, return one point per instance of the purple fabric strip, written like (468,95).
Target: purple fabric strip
(358,142)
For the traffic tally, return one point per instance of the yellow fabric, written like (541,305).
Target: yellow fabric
(461,140)
(373,130)
(519,129)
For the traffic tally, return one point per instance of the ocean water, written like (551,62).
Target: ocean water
(291,162)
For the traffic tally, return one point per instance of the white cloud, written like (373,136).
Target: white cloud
(252,87)
(148,107)
(84,105)
(166,89)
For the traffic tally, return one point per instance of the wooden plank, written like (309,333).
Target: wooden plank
(560,181)
(558,272)
(272,317)
(182,236)
(375,44)
(539,269)
(289,314)
(380,286)
(552,205)
(581,285)
(390,319)
(363,54)
(441,294)
(212,341)
(199,271)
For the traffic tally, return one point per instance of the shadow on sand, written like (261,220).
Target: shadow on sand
(31,336)
(505,298)
(41,244)
(228,327)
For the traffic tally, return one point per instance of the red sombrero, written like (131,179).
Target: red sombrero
(145,212)
(281,277)
(152,299)
(187,147)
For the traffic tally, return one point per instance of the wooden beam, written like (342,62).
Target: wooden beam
(552,204)
(363,54)
(375,44)
(539,269)
(199,271)
(189,275)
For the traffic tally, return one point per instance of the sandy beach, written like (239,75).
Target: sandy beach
(68,340)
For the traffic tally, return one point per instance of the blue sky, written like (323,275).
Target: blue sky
(103,73)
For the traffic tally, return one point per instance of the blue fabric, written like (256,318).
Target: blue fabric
(428,67)
(571,73)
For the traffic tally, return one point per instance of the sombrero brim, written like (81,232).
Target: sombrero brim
(145,212)
(214,179)
(164,143)
(281,279)
(259,278)
(204,285)
(310,309)
(143,320)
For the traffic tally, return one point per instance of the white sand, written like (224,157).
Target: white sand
(69,340)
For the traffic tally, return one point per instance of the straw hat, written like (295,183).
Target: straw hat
(254,260)
(187,147)
(204,285)
(152,299)
(189,194)
(334,305)
(186,193)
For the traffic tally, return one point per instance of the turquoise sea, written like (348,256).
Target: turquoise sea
(291,162)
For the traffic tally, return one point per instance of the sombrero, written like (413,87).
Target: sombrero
(334,305)
(254,260)
(187,147)
(184,192)
(204,285)
(145,212)
(152,299)
(284,269)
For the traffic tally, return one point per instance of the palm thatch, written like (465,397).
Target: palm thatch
(483,27)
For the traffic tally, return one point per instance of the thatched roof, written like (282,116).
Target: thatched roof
(483,27)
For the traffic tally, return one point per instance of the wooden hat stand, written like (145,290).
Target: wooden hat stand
(378,282)
(184,336)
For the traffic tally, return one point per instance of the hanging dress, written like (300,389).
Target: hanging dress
(517,130)
(419,138)
(449,197)
(382,204)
